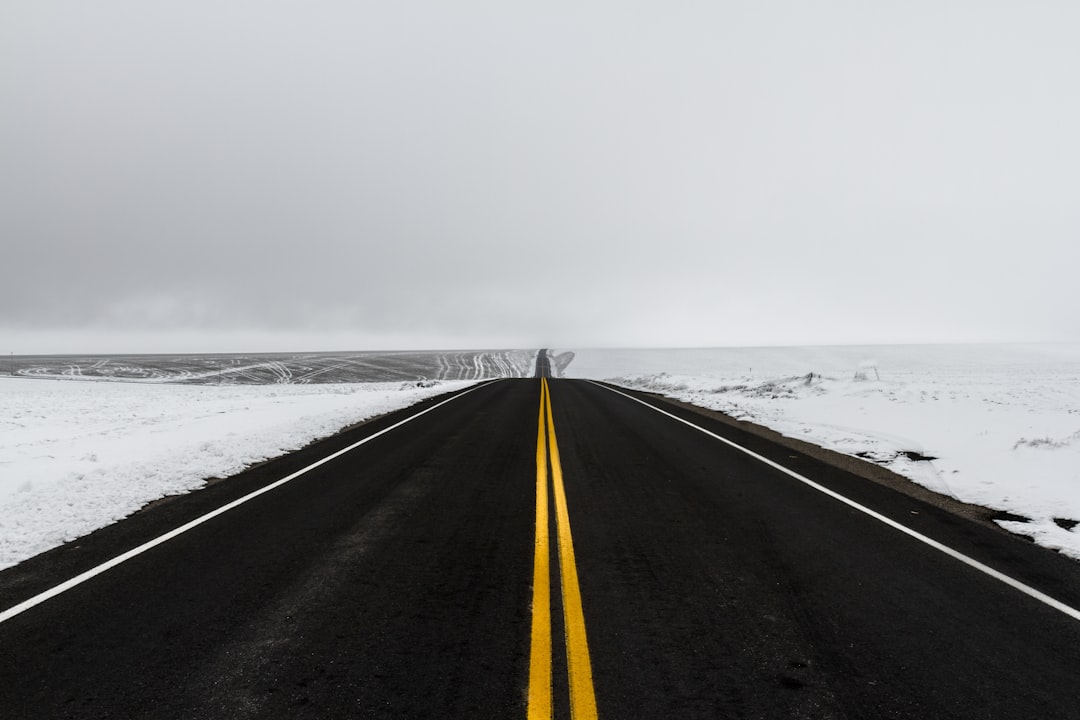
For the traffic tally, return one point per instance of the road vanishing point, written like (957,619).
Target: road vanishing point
(543,548)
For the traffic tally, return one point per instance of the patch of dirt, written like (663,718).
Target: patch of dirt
(917,456)
(1005,516)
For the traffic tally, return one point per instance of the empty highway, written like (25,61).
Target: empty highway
(543,548)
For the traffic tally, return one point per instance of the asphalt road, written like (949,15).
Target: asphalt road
(397,580)
(543,364)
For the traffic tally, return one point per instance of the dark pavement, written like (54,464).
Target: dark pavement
(396,581)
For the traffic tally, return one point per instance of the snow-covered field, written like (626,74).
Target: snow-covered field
(280,368)
(76,456)
(1000,422)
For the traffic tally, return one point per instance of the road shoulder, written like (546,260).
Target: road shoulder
(856,466)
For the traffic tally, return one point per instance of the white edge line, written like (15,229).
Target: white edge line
(109,564)
(1011,582)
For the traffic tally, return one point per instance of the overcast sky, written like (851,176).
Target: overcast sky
(226,175)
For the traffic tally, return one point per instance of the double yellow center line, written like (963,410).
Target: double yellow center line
(582,697)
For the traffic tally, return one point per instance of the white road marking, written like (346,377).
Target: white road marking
(134,552)
(971,562)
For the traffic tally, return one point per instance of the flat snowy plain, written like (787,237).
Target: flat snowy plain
(991,425)
(80,453)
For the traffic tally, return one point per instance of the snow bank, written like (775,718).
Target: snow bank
(76,456)
(994,425)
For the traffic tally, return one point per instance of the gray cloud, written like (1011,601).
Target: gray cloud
(474,173)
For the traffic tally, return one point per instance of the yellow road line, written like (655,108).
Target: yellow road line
(579,667)
(582,695)
(540,649)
